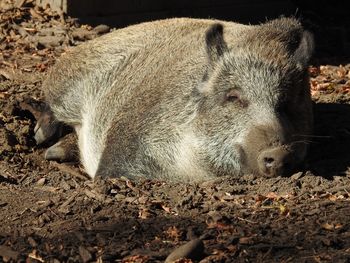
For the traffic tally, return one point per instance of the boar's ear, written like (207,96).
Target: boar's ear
(215,43)
(305,49)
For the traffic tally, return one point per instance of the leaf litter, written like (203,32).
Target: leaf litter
(50,212)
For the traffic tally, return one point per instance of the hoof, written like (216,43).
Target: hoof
(66,150)
(47,128)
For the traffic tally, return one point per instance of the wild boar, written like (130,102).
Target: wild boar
(185,99)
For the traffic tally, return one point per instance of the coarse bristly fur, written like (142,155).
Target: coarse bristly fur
(188,99)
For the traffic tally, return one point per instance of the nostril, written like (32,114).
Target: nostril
(276,162)
(268,162)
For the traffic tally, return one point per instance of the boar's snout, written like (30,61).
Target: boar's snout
(274,150)
(276,161)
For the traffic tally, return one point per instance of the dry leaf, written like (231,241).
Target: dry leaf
(272,195)
(173,233)
(166,208)
(4,95)
(183,260)
(333,198)
(260,198)
(136,259)
(160,204)
(314,71)
(332,226)
(345,89)
(342,72)
(246,240)
(219,225)
(283,210)
(34,255)
(145,213)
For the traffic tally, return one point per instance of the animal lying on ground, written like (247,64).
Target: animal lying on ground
(184,100)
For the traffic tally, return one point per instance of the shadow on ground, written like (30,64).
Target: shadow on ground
(330,148)
(156,238)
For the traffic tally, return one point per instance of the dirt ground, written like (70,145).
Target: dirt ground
(50,212)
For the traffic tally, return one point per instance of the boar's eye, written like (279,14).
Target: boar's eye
(234,96)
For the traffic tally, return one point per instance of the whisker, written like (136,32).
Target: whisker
(303,141)
(312,136)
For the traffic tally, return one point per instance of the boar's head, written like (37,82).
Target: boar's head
(254,110)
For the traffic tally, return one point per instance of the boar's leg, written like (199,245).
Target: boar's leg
(47,127)
(65,150)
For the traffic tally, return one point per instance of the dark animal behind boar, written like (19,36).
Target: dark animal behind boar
(185,99)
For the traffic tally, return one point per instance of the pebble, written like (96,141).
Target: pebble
(296,176)
(32,242)
(41,182)
(193,250)
(102,29)
(83,34)
(8,254)
(84,254)
(48,41)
